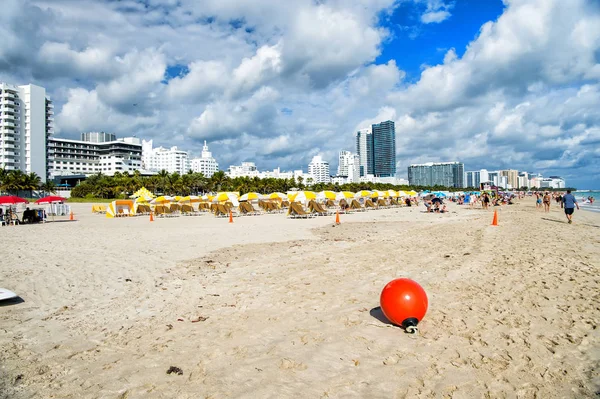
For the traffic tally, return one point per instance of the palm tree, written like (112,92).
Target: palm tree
(49,187)
(219,179)
(163,178)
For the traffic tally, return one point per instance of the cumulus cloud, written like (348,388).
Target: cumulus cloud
(277,82)
(437,11)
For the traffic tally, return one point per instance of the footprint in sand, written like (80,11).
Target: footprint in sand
(289,364)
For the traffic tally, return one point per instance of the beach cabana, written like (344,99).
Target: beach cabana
(121,208)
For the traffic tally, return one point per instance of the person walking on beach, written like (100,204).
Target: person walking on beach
(547,202)
(570,203)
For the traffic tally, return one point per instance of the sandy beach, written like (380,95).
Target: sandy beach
(269,307)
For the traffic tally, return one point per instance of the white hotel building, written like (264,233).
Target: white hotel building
(319,170)
(26,118)
(206,164)
(170,159)
(96,152)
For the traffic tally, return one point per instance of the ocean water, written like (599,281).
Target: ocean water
(582,200)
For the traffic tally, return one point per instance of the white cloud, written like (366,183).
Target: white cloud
(435,17)
(277,82)
(437,11)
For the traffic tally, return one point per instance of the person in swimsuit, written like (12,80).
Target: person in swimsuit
(547,202)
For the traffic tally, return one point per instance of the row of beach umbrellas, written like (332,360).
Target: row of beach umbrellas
(14,200)
(299,196)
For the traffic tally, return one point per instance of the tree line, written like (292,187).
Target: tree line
(121,185)
(16,181)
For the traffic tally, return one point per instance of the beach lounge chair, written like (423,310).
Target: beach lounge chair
(175,208)
(296,210)
(355,206)
(369,204)
(246,208)
(394,202)
(188,210)
(317,208)
(382,204)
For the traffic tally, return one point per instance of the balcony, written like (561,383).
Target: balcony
(6,123)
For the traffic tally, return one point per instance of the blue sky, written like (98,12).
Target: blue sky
(494,84)
(414,44)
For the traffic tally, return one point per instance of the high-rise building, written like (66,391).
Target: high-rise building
(364,149)
(319,170)
(472,179)
(376,148)
(348,168)
(170,159)
(384,149)
(26,123)
(512,177)
(87,157)
(475,178)
(206,164)
(447,174)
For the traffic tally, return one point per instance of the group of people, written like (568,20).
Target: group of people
(29,216)
(567,201)
(435,205)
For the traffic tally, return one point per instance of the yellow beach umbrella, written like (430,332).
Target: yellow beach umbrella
(163,199)
(250,197)
(142,200)
(344,195)
(391,193)
(190,198)
(402,194)
(362,193)
(302,196)
(326,195)
(279,196)
(412,193)
(378,194)
(225,196)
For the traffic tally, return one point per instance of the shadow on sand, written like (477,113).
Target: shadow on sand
(377,313)
(12,301)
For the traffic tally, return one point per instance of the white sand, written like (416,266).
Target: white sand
(514,309)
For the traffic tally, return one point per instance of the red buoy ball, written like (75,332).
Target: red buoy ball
(404,303)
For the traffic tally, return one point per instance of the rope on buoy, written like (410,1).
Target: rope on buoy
(412,329)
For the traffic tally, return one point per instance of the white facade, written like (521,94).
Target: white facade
(362,148)
(349,167)
(170,159)
(78,157)
(246,169)
(553,182)
(206,164)
(386,180)
(26,122)
(319,170)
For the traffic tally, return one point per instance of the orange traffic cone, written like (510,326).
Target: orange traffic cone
(151,217)
(495,220)
(230,217)
(71,216)
(337,217)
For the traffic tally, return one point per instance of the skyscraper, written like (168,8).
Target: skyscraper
(447,174)
(376,148)
(364,150)
(384,149)
(26,116)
